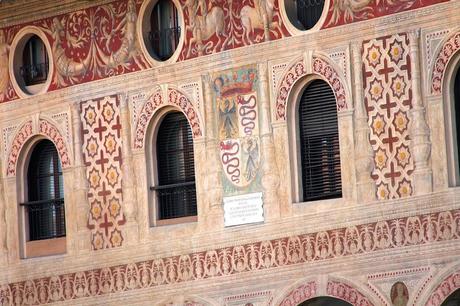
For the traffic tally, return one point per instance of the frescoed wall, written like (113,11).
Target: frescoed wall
(343,12)
(101,130)
(388,98)
(214,26)
(235,99)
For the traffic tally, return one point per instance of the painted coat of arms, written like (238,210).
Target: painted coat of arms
(238,126)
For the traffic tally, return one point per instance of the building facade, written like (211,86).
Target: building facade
(197,152)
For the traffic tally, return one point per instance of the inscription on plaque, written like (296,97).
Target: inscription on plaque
(243,209)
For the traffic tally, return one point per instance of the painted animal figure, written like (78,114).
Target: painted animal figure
(65,66)
(258,18)
(204,26)
(129,48)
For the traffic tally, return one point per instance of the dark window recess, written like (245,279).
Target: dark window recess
(319,143)
(309,12)
(453,299)
(34,69)
(165,30)
(176,192)
(45,208)
(457,111)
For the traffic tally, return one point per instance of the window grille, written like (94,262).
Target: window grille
(309,12)
(34,69)
(319,143)
(165,30)
(45,208)
(176,192)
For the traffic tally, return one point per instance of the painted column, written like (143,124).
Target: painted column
(129,194)
(129,203)
(270,177)
(3,246)
(419,130)
(366,189)
(213,179)
(80,187)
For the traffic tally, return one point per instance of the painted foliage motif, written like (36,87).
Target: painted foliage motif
(87,45)
(388,98)
(238,126)
(344,11)
(216,25)
(305,248)
(101,130)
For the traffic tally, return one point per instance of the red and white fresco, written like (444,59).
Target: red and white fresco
(101,130)
(175,98)
(26,132)
(445,54)
(367,238)
(388,98)
(343,12)
(321,67)
(216,25)
(87,45)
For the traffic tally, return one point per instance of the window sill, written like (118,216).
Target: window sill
(45,247)
(176,221)
(318,206)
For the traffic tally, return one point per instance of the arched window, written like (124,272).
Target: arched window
(175,189)
(45,207)
(319,143)
(455,117)
(325,301)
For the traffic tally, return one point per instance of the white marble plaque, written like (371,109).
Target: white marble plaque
(243,209)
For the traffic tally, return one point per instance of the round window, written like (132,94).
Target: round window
(31,63)
(304,14)
(161,29)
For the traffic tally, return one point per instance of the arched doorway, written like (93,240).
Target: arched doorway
(325,301)
(453,299)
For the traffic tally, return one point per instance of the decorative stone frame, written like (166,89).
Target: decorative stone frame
(293,30)
(17,47)
(446,283)
(28,134)
(338,288)
(296,77)
(449,121)
(144,19)
(163,100)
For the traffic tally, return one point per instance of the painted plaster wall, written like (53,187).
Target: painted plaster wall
(352,248)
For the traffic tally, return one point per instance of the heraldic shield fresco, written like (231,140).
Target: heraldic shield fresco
(238,129)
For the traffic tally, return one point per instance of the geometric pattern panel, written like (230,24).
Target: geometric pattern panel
(101,129)
(418,230)
(388,99)
(447,51)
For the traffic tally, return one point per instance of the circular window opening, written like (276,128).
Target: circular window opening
(161,29)
(304,14)
(31,64)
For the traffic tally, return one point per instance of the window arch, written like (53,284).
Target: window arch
(318,143)
(45,197)
(175,190)
(325,301)
(454,129)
